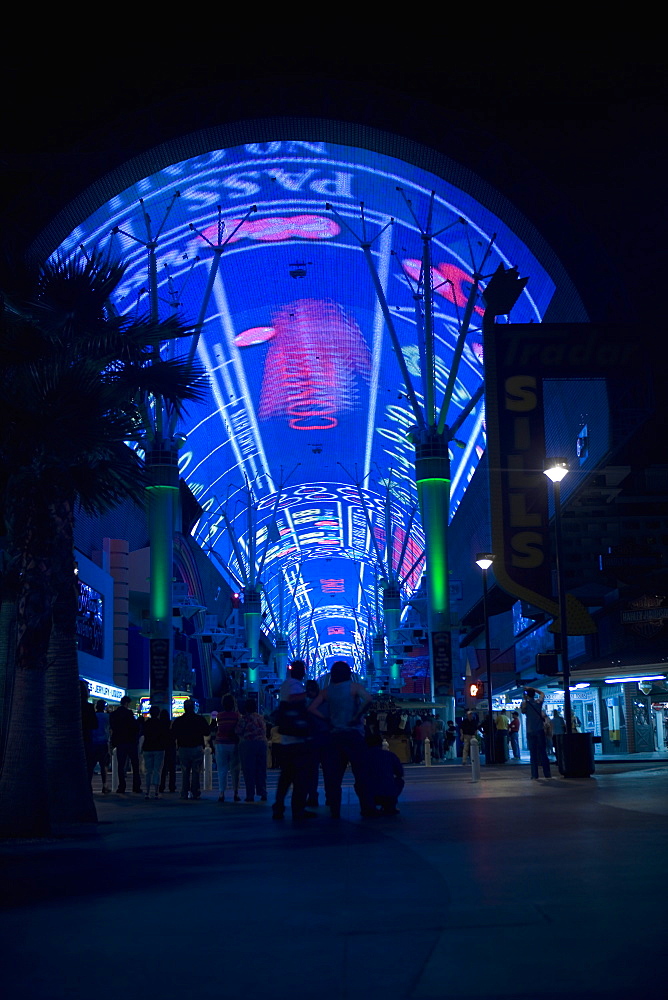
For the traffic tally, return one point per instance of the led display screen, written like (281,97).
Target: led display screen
(307,405)
(90,620)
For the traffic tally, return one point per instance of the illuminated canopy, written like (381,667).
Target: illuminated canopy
(307,406)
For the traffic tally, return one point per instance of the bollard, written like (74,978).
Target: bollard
(114,770)
(386,745)
(427,752)
(475,760)
(208,770)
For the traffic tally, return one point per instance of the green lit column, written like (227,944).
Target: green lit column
(281,657)
(432,475)
(252,620)
(163,495)
(392,618)
(378,654)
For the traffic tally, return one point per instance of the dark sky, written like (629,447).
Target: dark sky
(595,130)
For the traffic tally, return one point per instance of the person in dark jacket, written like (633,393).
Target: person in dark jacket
(100,745)
(191,731)
(383,776)
(125,738)
(168,775)
(468,730)
(155,740)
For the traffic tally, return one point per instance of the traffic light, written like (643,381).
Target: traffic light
(476,689)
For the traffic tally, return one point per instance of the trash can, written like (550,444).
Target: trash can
(500,746)
(575,754)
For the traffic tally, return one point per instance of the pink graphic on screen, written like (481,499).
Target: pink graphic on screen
(275,228)
(411,557)
(448,280)
(314,355)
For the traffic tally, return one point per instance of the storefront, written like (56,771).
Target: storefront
(625,713)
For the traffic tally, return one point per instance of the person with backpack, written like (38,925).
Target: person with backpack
(296,753)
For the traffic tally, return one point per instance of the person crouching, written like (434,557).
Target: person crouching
(384,777)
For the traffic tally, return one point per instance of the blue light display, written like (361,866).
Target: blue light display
(307,404)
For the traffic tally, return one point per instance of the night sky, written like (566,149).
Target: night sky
(592,128)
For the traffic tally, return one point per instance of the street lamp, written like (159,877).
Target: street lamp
(556,469)
(484,560)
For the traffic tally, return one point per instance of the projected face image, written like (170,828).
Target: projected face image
(261,246)
(309,372)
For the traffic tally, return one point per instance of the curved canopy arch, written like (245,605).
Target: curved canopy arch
(307,419)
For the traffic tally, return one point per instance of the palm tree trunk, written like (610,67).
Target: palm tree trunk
(70,795)
(24,808)
(7,665)
(24,804)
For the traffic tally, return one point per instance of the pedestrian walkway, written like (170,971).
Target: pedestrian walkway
(504,887)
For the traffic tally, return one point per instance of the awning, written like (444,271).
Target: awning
(498,601)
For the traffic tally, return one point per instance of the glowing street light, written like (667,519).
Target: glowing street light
(484,560)
(556,469)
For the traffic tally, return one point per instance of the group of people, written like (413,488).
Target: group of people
(157,740)
(325,729)
(541,732)
(313,730)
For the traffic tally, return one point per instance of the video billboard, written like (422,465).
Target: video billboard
(307,405)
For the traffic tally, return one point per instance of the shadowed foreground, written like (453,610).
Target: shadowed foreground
(505,888)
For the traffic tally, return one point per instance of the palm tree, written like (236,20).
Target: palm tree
(75,383)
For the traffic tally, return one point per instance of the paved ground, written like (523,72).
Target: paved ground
(503,888)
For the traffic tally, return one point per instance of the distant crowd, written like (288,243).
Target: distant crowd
(313,732)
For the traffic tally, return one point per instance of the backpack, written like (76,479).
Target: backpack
(292,719)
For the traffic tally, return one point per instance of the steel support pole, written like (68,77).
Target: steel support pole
(163,494)
(490,756)
(563,615)
(392,618)
(252,620)
(432,475)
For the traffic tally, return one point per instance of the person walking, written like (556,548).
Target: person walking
(532,709)
(125,739)
(252,732)
(227,747)
(468,730)
(100,745)
(191,731)
(346,702)
(514,734)
(154,742)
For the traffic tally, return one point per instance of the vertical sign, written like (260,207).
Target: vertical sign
(159,666)
(442,649)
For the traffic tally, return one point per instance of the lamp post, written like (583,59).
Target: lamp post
(484,560)
(556,469)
